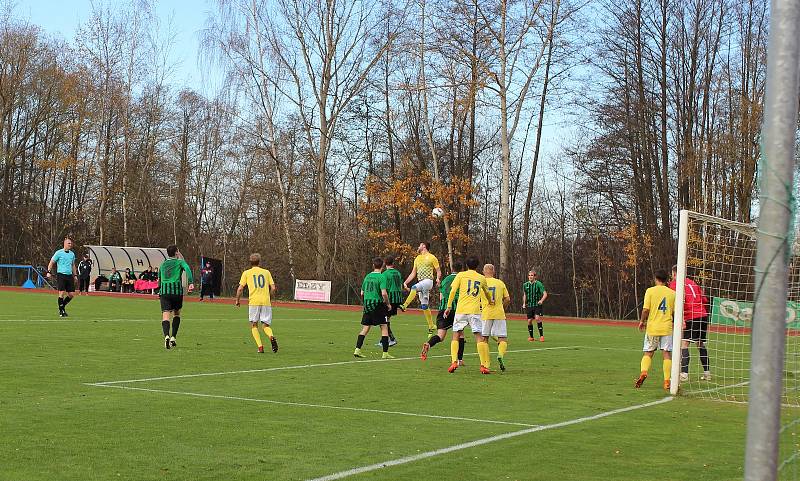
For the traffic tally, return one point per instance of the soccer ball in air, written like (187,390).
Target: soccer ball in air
(437,212)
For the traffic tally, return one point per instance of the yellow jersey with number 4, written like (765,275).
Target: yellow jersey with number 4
(258,282)
(660,301)
(470,286)
(498,291)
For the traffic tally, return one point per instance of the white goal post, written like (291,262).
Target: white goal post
(719,255)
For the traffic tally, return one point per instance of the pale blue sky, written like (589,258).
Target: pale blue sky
(63,17)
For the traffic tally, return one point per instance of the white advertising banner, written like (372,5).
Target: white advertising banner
(319,291)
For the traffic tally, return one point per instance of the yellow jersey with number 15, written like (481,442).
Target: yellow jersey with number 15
(660,301)
(470,286)
(258,282)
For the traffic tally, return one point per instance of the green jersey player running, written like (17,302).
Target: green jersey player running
(444,323)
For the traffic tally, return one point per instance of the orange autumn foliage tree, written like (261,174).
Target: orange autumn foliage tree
(397,214)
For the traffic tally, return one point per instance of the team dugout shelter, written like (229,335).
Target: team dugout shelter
(137,259)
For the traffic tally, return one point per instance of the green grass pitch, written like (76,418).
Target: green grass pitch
(312,410)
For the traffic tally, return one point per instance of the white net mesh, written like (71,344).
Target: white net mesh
(721,260)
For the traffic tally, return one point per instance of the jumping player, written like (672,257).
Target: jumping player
(64,262)
(376,306)
(470,286)
(656,321)
(533,296)
(425,264)
(170,293)
(493,316)
(260,285)
(443,324)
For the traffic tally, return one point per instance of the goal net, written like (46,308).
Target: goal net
(719,256)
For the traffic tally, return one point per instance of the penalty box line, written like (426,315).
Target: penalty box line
(311,405)
(480,442)
(304,366)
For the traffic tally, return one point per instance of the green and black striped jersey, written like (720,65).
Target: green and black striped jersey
(444,292)
(169,276)
(373,283)
(394,285)
(533,292)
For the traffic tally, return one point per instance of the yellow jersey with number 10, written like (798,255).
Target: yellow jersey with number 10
(258,282)
(470,287)
(498,291)
(660,301)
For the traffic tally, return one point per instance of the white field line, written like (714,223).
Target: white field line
(310,405)
(304,366)
(719,388)
(479,442)
(788,460)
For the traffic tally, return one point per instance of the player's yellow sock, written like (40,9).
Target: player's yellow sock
(454,350)
(667,369)
(429,318)
(483,353)
(502,347)
(410,298)
(268,331)
(646,361)
(256,336)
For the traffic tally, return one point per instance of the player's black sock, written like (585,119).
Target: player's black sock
(165,328)
(60,303)
(685,360)
(360,341)
(461,343)
(385,343)
(434,340)
(391,334)
(176,323)
(530,330)
(704,358)
(541,329)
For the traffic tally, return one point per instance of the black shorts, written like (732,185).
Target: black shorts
(534,311)
(65,282)
(171,302)
(445,322)
(393,311)
(696,329)
(376,317)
